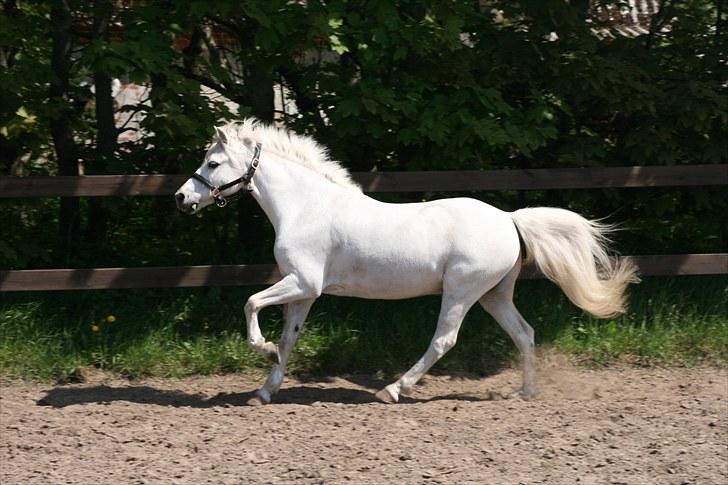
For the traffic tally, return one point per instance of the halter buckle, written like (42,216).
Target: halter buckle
(219,199)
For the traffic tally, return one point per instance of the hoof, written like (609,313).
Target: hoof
(386,396)
(270,352)
(257,400)
(525,394)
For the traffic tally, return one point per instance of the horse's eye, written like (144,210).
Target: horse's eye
(213,164)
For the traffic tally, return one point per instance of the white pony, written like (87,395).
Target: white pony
(333,239)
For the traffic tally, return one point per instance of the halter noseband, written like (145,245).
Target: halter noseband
(246,179)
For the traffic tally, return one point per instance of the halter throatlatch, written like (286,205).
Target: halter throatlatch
(247,179)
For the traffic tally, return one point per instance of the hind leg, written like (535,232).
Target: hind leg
(499,303)
(506,314)
(457,299)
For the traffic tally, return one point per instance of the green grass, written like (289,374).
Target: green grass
(682,322)
(48,336)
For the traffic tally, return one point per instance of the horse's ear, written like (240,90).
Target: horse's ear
(221,136)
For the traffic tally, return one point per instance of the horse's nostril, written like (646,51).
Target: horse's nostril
(179,196)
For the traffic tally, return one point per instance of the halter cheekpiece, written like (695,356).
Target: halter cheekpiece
(215,190)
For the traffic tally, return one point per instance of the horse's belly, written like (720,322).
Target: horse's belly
(363,282)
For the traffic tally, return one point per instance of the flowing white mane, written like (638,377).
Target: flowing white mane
(302,150)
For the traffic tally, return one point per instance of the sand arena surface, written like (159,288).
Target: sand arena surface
(628,426)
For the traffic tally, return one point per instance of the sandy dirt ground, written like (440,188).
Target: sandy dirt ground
(621,426)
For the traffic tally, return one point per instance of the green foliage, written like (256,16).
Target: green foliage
(408,85)
(24,80)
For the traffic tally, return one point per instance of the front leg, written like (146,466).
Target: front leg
(289,289)
(295,314)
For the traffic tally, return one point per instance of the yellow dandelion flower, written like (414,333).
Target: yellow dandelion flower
(95,328)
(111,318)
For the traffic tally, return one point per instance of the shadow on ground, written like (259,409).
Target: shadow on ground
(61,397)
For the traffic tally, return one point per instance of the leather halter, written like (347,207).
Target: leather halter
(215,190)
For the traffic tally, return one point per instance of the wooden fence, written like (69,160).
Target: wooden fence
(442,181)
(259,274)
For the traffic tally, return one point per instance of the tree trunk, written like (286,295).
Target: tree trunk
(106,135)
(65,147)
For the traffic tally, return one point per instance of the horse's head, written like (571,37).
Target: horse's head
(228,167)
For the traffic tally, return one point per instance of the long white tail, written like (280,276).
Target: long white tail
(571,251)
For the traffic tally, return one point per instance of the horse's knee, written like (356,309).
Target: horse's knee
(250,307)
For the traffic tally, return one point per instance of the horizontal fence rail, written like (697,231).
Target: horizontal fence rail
(262,274)
(433,181)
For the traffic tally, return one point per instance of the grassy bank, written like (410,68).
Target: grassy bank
(54,336)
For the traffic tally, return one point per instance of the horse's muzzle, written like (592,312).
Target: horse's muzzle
(182,204)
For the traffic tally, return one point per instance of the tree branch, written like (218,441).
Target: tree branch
(205,81)
(137,108)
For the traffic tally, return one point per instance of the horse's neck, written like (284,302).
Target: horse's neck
(283,187)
